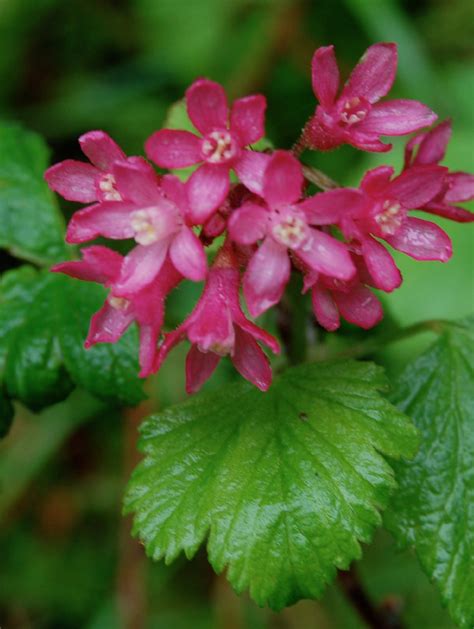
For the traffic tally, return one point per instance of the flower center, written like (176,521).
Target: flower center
(390,218)
(290,230)
(118,303)
(354,110)
(107,185)
(219,147)
(145,227)
(221,349)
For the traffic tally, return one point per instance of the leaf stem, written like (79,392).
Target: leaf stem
(131,572)
(376,343)
(386,617)
(292,323)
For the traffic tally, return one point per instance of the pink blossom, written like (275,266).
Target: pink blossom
(217,327)
(154,212)
(283,226)
(352,300)
(355,116)
(83,182)
(221,146)
(146,307)
(430,148)
(384,215)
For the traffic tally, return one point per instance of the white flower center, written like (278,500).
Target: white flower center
(354,110)
(145,228)
(118,303)
(107,187)
(221,349)
(390,218)
(218,147)
(291,231)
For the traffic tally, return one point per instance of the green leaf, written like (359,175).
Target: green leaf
(44,319)
(286,484)
(433,509)
(32,227)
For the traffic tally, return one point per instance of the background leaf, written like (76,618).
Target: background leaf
(286,483)
(434,507)
(43,323)
(32,226)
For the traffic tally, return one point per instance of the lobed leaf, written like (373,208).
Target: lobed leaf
(32,227)
(433,510)
(285,484)
(43,324)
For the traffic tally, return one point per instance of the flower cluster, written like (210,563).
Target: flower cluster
(268,223)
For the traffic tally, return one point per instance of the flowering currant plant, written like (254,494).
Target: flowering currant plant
(284,479)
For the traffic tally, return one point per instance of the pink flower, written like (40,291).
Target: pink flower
(153,212)
(217,327)
(356,117)
(283,225)
(146,307)
(222,145)
(430,148)
(384,215)
(79,181)
(352,300)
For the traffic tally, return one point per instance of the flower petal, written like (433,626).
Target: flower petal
(461,187)
(250,360)
(207,105)
(175,191)
(266,276)
(377,179)
(283,179)
(327,208)
(148,347)
(380,265)
(102,151)
(207,188)
(170,148)
(433,146)
(325,75)
(453,213)
(110,219)
(136,181)
(324,308)
(359,306)
(98,264)
(140,267)
(366,142)
(171,340)
(416,185)
(188,255)
(73,180)
(247,118)
(248,224)
(258,333)
(250,168)
(199,368)
(107,325)
(373,76)
(397,117)
(422,240)
(325,254)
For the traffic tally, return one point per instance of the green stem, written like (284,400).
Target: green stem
(292,322)
(377,343)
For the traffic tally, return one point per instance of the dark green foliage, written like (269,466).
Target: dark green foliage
(433,509)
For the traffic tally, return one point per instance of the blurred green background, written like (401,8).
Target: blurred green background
(67,560)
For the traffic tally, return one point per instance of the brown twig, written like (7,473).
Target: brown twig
(383,617)
(131,573)
(319,178)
